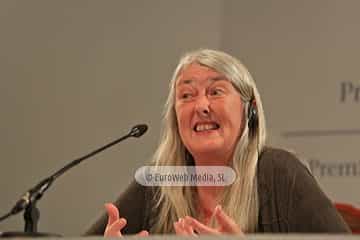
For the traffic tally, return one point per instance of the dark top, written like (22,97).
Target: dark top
(289,196)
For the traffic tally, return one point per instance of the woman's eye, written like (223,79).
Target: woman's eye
(185,95)
(216,92)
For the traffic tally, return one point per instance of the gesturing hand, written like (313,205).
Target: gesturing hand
(191,226)
(115,224)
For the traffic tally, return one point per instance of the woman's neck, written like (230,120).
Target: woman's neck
(208,198)
(212,159)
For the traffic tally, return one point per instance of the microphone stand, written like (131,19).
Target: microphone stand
(28,201)
(31,217)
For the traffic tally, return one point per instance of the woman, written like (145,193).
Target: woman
(214,116)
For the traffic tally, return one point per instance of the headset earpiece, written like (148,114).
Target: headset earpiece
(253,120)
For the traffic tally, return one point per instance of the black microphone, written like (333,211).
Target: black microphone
(37,191)
(138,130)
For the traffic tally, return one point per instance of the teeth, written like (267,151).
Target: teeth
(205,127)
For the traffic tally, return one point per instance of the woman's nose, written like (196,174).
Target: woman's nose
(203,106)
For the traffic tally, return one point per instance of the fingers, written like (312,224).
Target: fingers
(112,212)
(115,224)
(143,233)
(191,226)
(183,228)
(179,229)
(226,223)
(187,227)
(199,227)
(113,230)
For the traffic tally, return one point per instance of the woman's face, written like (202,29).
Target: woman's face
(209,112)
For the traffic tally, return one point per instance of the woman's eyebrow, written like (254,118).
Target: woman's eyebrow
(210,79)
(185,81)
(217,78)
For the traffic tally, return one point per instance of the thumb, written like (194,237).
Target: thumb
(112,212)
(227,223)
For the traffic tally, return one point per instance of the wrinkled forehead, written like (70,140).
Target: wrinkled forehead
(182,79)
(198,70)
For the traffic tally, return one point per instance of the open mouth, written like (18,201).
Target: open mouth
(201,127)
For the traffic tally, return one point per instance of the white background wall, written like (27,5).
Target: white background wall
(77,74)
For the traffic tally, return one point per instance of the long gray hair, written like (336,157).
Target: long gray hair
(239,200)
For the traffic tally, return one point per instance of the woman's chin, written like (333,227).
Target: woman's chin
(207,149)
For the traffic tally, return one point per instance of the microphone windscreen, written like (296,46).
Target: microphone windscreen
(138,130)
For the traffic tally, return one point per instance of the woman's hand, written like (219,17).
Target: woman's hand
(115,224)
(191,226)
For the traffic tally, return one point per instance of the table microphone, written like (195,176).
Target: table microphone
(35,193)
